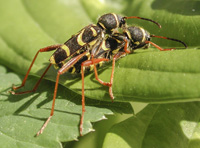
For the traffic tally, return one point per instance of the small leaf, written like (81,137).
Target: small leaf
(169,125)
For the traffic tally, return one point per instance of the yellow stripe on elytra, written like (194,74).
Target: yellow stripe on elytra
(73,70)
(64,47)
(88,55)
(91,67)
(118,41)
(52,60)
(92,42)
(143,32)
(116,19)
(101,63)
(102,25)
(56,66)
(128,34)
(116,51)
(137,43)
(103,46)
(94,32)
(79,38)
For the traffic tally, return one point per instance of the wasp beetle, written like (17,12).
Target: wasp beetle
(90,47)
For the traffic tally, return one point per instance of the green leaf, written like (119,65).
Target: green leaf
(22,116)
(146,75)
(169,125)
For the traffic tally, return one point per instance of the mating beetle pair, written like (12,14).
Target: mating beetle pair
(90,47)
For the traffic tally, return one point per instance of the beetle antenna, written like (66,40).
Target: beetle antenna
(152,35)
(130,17)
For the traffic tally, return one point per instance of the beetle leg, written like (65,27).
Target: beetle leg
(116,56)
(45,49)
(36,85)
(61,71)
(158,47)
(94,62)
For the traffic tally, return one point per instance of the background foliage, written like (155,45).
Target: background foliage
(148,76)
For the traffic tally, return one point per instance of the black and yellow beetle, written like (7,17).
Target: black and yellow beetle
(94,44)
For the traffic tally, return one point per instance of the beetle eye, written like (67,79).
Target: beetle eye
(122,21)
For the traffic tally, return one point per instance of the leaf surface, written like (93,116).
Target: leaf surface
(22,116)
(146,75)
(168,125)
